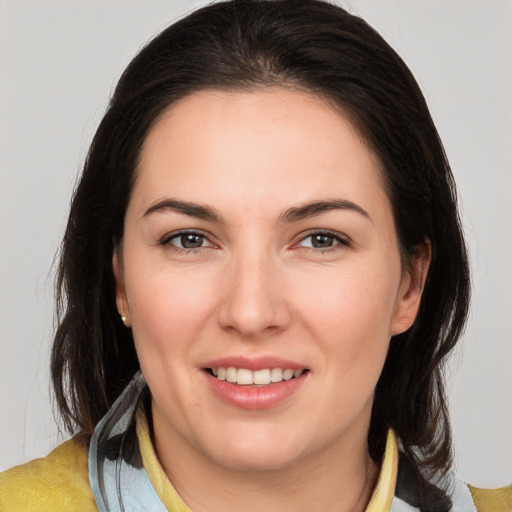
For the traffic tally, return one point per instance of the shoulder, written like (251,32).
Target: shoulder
(492,500)
(451,494)
(57,482)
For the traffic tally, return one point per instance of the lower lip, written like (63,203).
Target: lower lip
(255,397)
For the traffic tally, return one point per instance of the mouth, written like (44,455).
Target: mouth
(247,377)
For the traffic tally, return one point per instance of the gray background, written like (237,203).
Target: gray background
(59,60)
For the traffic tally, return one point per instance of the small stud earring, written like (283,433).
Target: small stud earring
(123,318)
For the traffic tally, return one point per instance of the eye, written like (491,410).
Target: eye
(187,240)
(322,240)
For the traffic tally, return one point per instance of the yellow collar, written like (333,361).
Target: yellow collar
(162,485)
(379,502)
(385,489)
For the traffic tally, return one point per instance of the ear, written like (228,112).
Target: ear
(411,289)
(121,301)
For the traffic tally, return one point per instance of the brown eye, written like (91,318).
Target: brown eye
(191,241)
(188,240)
(322,241)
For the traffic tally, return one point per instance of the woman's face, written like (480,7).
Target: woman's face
(259,242)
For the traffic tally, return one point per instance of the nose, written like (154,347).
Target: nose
(254,301)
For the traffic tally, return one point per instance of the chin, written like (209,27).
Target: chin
(255,457)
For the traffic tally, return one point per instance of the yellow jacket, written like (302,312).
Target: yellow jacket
(59,482)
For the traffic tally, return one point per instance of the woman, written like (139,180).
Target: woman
(266,227)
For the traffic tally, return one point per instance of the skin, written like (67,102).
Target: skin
(257,287)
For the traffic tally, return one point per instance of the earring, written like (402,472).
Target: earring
(123,319)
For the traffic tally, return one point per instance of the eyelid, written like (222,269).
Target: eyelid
(342,240)
(166,239)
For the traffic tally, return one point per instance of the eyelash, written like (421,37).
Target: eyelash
(339,239)
(167,241)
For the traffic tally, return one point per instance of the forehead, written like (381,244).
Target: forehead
(256,146)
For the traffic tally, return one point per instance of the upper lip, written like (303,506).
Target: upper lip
(254,363)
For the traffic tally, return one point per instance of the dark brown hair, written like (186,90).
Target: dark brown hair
(248,44)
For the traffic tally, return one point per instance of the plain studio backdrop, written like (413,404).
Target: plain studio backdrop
(59,62)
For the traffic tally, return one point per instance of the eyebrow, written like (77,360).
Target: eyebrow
(186,208)
(317,207)
(290,215)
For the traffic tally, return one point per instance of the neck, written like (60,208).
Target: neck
(341,478)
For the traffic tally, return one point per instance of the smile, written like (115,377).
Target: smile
(262,377)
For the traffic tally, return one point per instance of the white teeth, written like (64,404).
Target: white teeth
(287,374)
(231,374)
(244,377)
(263,377)
(276,375)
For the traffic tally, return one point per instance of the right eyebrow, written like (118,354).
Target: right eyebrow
(317,207)
(186,208)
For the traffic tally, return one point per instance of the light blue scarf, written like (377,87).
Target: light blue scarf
(118,479)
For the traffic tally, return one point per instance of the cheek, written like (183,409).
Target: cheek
(350,310)
(349,294)
(169,309)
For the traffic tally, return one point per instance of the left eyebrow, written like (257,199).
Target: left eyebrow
(186,208)
(317,207)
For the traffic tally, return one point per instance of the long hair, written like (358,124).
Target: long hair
(309,45)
